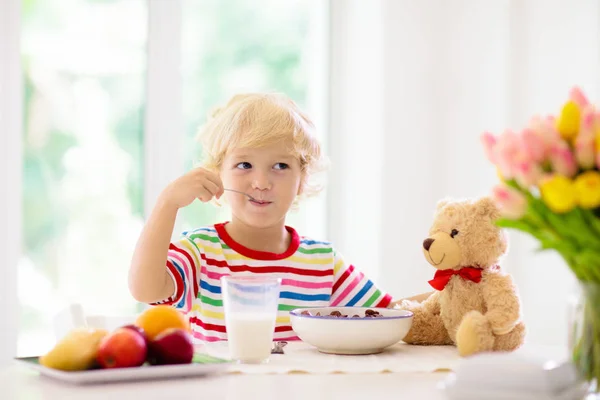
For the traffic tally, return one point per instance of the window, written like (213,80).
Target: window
(85,95)
(84,70)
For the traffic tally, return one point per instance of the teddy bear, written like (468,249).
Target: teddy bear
(475,305)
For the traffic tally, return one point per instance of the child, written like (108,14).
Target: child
(262,145)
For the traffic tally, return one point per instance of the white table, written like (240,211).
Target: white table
(20,383)
(413,379)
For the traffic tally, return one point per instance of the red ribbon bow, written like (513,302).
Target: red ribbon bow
(442,277)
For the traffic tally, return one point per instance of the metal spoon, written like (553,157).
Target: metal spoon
(244,193)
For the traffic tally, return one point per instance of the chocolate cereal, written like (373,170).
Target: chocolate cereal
(337,314)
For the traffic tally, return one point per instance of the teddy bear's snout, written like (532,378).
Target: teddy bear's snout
(427,243)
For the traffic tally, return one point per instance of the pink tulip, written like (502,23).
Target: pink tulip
(507,152)
(527,173)
(545,128)
(534,145)
(584,152)
(536,123)
(596,127)
(562,159)
(489,141)
(596,135)
(588,121)
(576,95)
(585,142)
(512,203)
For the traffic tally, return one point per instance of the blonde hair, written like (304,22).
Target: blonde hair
(258,119)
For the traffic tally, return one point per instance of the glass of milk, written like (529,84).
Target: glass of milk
(250,305)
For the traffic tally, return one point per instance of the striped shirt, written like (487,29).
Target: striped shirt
(313,274)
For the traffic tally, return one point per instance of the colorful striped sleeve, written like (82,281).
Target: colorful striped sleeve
(352,288)
(183,264)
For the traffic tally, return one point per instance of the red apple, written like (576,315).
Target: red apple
(137,329)
(172,346)
(121,349)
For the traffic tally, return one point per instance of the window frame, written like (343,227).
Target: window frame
(11,111)
(163,120)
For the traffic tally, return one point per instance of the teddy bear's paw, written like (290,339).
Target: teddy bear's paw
(512,340)
(474,335)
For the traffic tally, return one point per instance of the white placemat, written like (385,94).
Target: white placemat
(300,357)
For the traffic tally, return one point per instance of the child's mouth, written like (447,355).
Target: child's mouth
(260,203)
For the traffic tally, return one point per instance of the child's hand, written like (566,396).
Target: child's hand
(198,183)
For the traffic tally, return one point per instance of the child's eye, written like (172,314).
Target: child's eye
(281,166)
(244,165)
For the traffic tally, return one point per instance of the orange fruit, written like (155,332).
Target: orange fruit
(159,318)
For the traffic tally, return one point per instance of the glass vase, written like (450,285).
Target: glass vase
(584,333)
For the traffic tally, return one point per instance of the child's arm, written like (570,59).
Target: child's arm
(418,298)
(149,279)
(352,288)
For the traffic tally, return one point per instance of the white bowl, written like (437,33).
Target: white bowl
(351,335)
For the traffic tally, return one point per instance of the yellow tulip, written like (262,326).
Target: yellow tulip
(587,189)
(499,175)
(567,123)
(558,192)
(596,131)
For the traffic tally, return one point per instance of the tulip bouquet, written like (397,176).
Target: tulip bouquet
(550,189)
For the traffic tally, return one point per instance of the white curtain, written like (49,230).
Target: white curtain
(414,84)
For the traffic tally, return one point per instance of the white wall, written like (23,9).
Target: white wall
(445,84)
(10,175)
(450,71)
(355,135)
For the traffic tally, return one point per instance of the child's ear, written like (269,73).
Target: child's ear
(302,185)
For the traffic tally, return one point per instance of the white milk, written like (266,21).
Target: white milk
(250,336)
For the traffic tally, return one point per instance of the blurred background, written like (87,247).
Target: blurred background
(101,100)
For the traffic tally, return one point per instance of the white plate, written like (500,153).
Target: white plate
(351,336)
(207,366)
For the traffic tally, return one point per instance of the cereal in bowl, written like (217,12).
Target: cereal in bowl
(337,314)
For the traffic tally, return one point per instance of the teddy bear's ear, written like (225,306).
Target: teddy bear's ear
(487,206)
(442,203)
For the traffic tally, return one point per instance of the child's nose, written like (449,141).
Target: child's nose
(261,182)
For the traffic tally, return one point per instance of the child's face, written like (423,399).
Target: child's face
(271,174)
